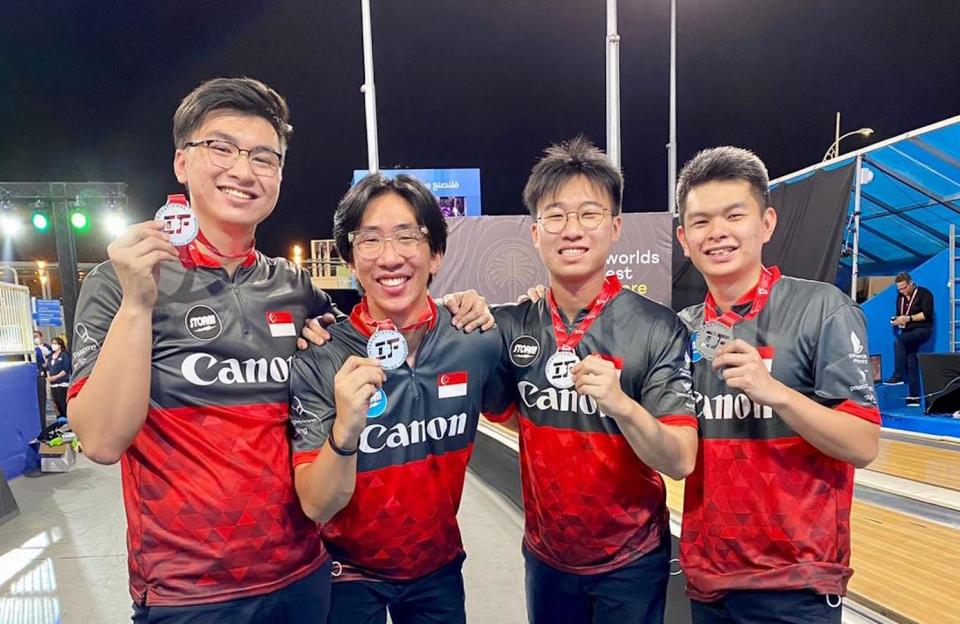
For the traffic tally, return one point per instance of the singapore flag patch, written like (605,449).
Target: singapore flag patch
(281,324)
(451,385)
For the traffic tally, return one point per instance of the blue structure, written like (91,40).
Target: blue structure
(909,196)
(19,417)
(898,219)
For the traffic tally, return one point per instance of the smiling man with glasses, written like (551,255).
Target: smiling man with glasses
(605,402)
(386,413)
(181,374)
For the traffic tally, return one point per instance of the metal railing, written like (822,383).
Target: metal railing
(16,324)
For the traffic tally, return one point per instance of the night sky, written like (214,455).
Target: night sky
(90,88)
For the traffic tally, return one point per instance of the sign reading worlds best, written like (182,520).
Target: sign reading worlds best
(458,190)
(496,256)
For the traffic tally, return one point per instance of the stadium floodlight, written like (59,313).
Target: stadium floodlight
(115,224)
(10,224)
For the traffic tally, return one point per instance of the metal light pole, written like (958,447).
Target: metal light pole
(672,145)
(369,92)
(834,150)
(855,259)
(613,85)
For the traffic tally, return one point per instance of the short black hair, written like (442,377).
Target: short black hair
(242,95)
(723,164)
(566,160)
(354,204)
(903,276)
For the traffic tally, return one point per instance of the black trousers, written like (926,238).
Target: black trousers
(905,348)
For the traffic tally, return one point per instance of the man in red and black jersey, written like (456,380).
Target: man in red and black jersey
(786,406)
(386,413)
(181,367)
(603,388)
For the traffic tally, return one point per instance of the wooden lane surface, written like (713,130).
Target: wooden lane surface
(918,462)
(904,567)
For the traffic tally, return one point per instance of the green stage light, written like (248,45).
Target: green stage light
(40,221)
(79,220)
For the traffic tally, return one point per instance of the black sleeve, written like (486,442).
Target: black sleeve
(498,395)
(666,390)
(100,297)
(926,304)
(312,404)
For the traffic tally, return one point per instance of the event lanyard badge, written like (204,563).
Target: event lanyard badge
(559,364)
(717,331)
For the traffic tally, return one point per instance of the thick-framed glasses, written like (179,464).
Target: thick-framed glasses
(369,244)
(264,162)
(554,220)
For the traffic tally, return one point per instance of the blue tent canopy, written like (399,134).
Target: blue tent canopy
(909,196)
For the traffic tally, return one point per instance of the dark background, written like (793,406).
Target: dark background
(89,88)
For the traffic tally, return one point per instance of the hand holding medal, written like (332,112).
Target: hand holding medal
(136,256)
(599,379)
(353,386)
(742,367)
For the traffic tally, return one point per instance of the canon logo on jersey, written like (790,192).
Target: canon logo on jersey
(377,437)
(729,406)
(554,399)
(203,369)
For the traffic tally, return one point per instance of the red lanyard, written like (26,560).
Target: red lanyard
(611,286)
(768,277)
(243,254)
(362,318)
(903,311)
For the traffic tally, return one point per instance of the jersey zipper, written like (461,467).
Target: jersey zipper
(243,317)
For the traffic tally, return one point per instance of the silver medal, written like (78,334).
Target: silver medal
(179,222)
(389,347)
(712,336)
(558,368)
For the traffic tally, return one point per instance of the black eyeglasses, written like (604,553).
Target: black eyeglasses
(264,162)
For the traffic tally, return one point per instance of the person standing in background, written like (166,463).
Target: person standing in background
(59,369)
(914,318)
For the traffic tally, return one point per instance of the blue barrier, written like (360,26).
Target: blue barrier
(19,417)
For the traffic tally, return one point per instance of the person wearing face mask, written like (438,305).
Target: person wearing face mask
(59,369)
(41,352)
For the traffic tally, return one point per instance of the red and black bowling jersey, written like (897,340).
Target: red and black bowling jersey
(212,514)
(401,522)
(764,509)
(591,504)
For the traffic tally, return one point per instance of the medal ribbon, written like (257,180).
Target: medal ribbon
(768,277)
(362,318)
(243,254)
(611,286)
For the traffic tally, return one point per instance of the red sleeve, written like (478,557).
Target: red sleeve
(680,420)
(305,457)
(503,416)
(869,414)
(76,387)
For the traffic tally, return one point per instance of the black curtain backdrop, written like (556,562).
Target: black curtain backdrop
(811,215)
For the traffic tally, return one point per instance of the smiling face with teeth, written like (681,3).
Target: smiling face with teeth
(229,203)
(576,256)
(395,285)
(723,232)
